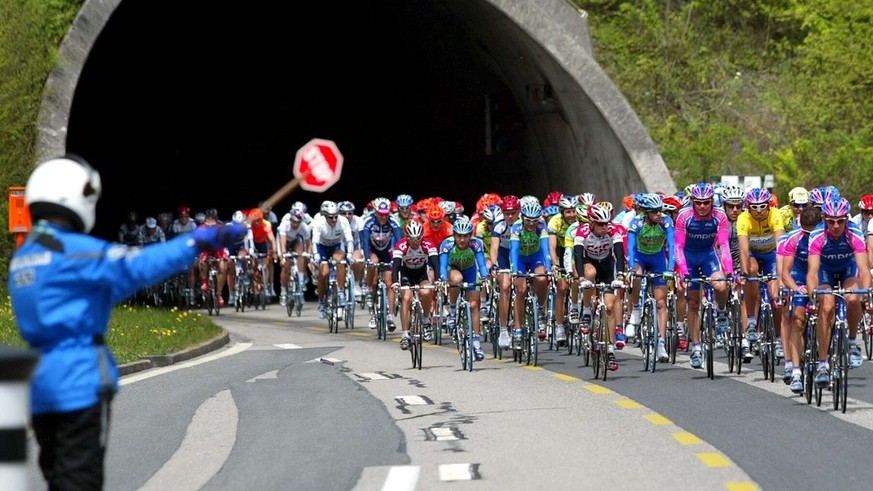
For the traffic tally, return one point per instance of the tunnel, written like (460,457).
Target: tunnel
(201,104)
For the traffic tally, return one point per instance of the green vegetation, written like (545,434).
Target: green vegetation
(135,332)
(735,86)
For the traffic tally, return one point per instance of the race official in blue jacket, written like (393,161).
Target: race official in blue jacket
(64,284)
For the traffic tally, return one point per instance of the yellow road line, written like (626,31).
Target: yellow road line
(565,378)
(598,389)
(657,419)
(686,438)
(531,367)
(741,486)
(713,459)
(629,404)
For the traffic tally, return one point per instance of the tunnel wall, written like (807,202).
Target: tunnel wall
(579,132)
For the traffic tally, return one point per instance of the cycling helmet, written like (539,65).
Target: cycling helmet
(607,205)
(531,211)
(459,208)
(299,205)
(733,193)
(866,202)
(599,214)
(462,226)
(836,208)
(404,201)
(671,203)
(553,198)
(492,214)
(567,203)
(151,222)
(329,209)
(650,202)
(345,207)
(211,213)
(582,212)
(256,214)
(295,216)
(528,199)
(448,207)
(165,217)
(435,212)
(511,203)
(328,205)
(587,198)
(628,202)
(131,216)
(798,196)
(200,218)
(816,197)
(688,189)
(702,191)
(414,230)
(551,211)
(238,216)
(184,210)
(831,191)
(758,195)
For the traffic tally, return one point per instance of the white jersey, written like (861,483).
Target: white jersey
(865,226)
(326,235)
(288,233)
(357,224)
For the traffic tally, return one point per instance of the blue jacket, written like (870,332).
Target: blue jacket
(63,286)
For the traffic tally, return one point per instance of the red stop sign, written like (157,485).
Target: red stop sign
(318,164)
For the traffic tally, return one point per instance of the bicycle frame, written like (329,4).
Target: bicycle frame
(767,341)
(416,336)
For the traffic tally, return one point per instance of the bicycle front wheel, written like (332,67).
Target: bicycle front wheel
(709,346)
(415,338)
(647,329)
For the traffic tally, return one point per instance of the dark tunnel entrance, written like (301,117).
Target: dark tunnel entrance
(208,106)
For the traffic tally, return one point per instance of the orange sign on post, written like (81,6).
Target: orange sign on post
(19,214)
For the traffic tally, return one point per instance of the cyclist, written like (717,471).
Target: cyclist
(501,232)
(294,236)
(863,219)
(758,230)
(331,238)
(410,260)
(264,242)
(702,248)
(581,212)
(837,258)
(183,225)
(462,256)
(599,251)
(557,229)
(528,253)
(404,209)
(483,233)
(356,223)
(302,208)
(436,227)
(650,249)
(379,235)
(238,248)
(130,232)
(794,250)
(672,205)
(151,232)
(211,220)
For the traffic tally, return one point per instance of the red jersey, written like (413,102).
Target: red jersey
(438,235)
(414,258)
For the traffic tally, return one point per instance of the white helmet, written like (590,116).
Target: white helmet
(329,208)
(67,186)
(238,216)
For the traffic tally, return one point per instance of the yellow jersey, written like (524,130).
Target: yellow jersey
(762,235)
(483,231)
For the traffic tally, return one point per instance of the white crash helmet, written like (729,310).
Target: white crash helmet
(329,208)
(239,216)
(66,186)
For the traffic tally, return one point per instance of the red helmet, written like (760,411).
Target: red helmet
(671,203)
(866,202)
(511,203)
(435,212)
(256,214)
(184,210)
(552,199)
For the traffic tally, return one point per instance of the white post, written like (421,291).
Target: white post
(16,367)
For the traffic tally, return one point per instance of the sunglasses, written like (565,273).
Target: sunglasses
(330,217)
(602,224)
(759,207)
(867,212)
(531,220)
(347,213)
(731,206)
(702,202)
(800,205)
(835,221)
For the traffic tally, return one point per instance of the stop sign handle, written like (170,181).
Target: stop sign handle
(284,191)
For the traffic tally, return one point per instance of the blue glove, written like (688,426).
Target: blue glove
(218,237)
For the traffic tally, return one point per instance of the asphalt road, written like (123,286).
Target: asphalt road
(287,405)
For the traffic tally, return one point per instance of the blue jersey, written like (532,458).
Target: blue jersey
(379,236)
(63,286)
(472,256)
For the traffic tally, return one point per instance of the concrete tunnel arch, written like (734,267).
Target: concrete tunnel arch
(569,127)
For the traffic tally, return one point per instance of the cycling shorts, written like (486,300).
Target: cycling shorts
(703,263)
(605,269)
(653,263)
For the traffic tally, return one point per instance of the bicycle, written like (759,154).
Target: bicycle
(211,295)
(379,309)
(331,296)
(462,334)
(810,357)
(416,316)
(648,331)
(260,295)
(294,287)
(597,337)
(707,314)
(838,352)
(672,340)
(529,350)
(766,343)
(734,343)
(866,328)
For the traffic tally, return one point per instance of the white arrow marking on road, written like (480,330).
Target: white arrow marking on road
(205,448)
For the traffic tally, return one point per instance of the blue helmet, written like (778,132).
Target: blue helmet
(531,210)
(551,211)
(702,191)
(836,207)
(650,201)
(758,195)
(462,226)
(403,201)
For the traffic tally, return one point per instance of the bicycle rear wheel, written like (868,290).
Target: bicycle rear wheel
(709,343)
(866,328)
(415,338)
(646,329)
